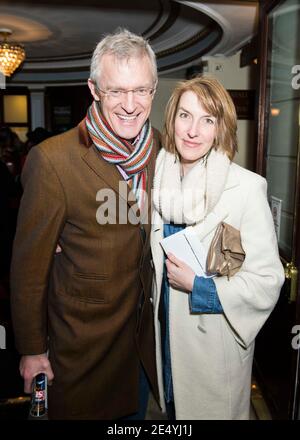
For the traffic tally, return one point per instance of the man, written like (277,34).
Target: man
(89,305)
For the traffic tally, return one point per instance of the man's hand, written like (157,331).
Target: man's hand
(180,275)
(31,366)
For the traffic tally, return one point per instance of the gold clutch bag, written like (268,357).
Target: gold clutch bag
(226,254)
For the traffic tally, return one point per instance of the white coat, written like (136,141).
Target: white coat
(212,354)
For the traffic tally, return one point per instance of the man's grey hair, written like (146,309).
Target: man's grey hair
(123,44)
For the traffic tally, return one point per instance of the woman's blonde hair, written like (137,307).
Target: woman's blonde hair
(216,101)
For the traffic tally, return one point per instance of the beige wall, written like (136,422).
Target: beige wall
(163,93)
(228,71)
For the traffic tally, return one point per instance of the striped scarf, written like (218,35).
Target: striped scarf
(132,158)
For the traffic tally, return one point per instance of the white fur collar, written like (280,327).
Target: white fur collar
(188,201)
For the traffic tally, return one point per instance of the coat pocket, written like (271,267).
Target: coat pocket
(90,287)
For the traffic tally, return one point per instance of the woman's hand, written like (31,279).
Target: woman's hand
(180,275)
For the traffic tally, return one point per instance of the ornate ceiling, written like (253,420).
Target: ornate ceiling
(59,36)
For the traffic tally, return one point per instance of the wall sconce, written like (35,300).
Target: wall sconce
(275,111)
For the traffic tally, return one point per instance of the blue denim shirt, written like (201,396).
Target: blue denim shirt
(203,299)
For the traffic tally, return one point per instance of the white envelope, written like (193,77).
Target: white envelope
(188,248)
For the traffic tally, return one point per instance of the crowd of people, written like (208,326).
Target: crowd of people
(13,153)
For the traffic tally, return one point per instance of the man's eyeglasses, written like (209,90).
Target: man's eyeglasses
(141,92)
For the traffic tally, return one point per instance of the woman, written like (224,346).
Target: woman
(206,327)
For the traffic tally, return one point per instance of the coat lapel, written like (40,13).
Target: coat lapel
(220,211)
(210,223)
(111,175)
(157,235)
(104,170)
(146,218)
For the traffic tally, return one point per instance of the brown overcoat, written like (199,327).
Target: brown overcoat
(90,304)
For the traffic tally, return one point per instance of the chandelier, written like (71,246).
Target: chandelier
(11,54)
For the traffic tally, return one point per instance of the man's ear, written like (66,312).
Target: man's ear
(93,89)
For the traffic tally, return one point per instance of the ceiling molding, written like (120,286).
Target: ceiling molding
(57,40)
